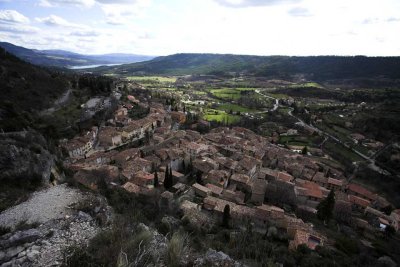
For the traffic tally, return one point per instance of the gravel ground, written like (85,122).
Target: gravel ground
(44,205)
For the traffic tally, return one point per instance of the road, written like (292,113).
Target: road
(276,105)
(371,160)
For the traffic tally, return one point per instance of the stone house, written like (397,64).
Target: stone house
(258,189)
(109,137)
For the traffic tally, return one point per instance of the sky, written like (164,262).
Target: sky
(163,27)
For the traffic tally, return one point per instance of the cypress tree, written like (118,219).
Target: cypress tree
(304,151)
(166,179)
(156,179)
(226,216)
(325,207)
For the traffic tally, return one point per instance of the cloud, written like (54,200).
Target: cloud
(379,20)
(392,19)
(370,21)
(18,28)
(12,16)
(129,2)
(53,3)
(85,3)
(122,12)
(85,33)
(299,12)
(253,3)
(57,21)
(115,21)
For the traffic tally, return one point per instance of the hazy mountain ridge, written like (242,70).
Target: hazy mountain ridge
(62,58)
(314,67)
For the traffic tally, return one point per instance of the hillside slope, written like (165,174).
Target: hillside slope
(61,58)
(25,88)
(317,68)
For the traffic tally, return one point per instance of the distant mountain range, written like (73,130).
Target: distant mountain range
(61,58)
(318,68)
(312,67)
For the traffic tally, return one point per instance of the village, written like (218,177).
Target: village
(262,183)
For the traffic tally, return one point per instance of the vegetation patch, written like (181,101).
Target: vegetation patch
(226,93)
(234,108)
(152,79)
(220,116)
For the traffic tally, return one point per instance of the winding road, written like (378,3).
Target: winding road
(371,160)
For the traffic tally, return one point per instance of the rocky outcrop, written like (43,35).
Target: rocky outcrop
(24,156)
(44,245)
(51,203)
(57,218)
(214,258)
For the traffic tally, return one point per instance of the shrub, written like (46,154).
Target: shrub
(177,247)
(347,245)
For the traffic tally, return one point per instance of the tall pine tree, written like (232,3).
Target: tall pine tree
(226,216)
(156,179)
(168,178)
(325,207)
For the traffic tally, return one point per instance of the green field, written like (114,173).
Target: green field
(220,116)
(226,93)
(309,84)
(342,152)
(295,140)
(199,92)
(149,79)
(276,95)
(235,108)
(246,89)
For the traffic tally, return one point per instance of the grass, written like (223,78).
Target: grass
(295,140)
(199,92)
(308,84)
(235,108)
(177,247)
(226,93)
(246,89)
(276,95)
(309,140)
(342,152)
(150,79)
(220,116)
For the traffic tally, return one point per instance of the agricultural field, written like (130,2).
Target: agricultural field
(152,79)
(295,140)
(226,93)
(308,84)
(220,116)
(342,153)
(227,107)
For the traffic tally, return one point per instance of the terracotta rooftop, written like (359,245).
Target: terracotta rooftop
(361,191)
(131,187)
(334,181)
(216,190)
(241,178)
(313,189)
(285,177)
(359,201)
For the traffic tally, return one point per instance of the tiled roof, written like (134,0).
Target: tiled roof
(285,177)
(359,201)
(361,191)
